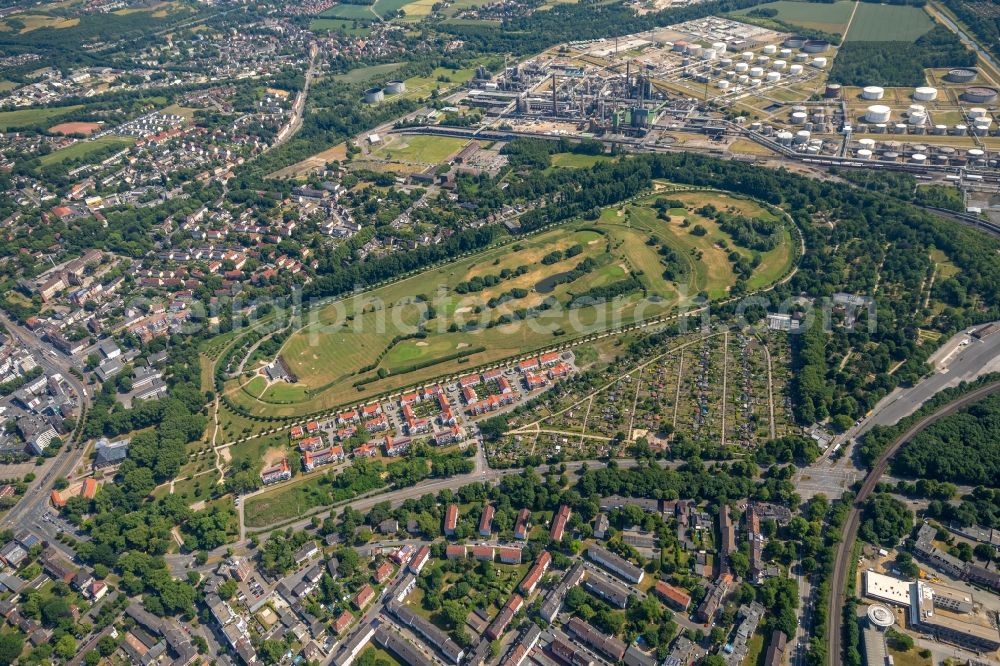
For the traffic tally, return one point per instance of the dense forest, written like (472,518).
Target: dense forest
(861,63)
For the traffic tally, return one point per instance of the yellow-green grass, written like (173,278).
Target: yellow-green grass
(909,658)
(372,71)
(419,9)
(342,11)
(945,267)
(378,655)
(811,15)
(575,161)
(888,23)
(349,26)
(6,85)
(418,148)
(12,120)
(328,364)
(30,22)
(82,149)
(184,111)
(421,86)
(461,5)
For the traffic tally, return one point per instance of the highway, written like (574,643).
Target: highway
(845,549)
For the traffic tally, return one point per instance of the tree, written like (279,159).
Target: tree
(66,646)
(11,645)
(92,658)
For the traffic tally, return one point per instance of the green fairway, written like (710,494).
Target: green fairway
(367,345)
(82,149)
(811,15)
(888,23)
(33,118)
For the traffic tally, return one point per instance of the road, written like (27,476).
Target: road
(299,107)
(973,360)
(32,506)
(845,549)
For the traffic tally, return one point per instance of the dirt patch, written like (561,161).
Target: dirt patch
(461,345)
(463,310)
(86,129)
(225,455)
(594,242)
(198,506)
(421,344)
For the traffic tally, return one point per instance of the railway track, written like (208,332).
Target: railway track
(846,547)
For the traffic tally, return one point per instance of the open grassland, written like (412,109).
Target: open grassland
(375,343)
(811,15)
(349,26)
(352,12)
(372,71)
(25,23)
(888,23)
(24,118)
(441,77)
(575,161)
(81,149)
(418,148)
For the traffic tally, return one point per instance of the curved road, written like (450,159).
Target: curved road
(846,547)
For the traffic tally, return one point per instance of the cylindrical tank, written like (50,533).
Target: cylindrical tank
(754,83)
(878,128)
(900,128)
(695,50)
(785,53)
(832,91)
(725,62)
(975,154)
(878,113)
(872,92)
(812,150)
(917,118)
(742,68)
(980,95)
(960,129)
(395,87)
(795,70)
(867,144)
(794,42)
(800,57)
(747,55)
(977,112)
(940,129)
(918,158)
(818,63)
(890,156)
(374,95)
(816,46)
(773,77)
(722,84)
(961,75)
(865,154)
(755,126)
(779,65)
(756,72)
(763,60)
(802,136)
(799,117)
(770,49)
(784,138)
(709,54)
(743,79)
(925,94)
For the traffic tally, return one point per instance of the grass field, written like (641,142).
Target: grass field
(371,331)
(418,148)
(31,22)
(421,86)
(365,73)
(6,85)
(815,16)
(574,161)
(23,118)
(81,149)
(363,12)
(351,27)
(888,23)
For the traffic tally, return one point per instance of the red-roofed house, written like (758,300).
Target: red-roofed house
(450,520)
(364,595)
(383,572)
(484,553)
(486,521)
(510,555)
(675,598)
(454,552)
(530,581)
(559,523)
(521,525)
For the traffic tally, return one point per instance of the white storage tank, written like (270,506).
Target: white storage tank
(975,154)
(743,79)
(900,128)
(867,144)
(925,94)
(800,57)
(872,92)
(770,49)
(725,62)
(865,154)
(960,129)
(756,72)
(747,55)
(879,128)
(763,60)
(695,50)
(778,65)
(773,77)
(742,67)
(802,136)
(940,129)
(784,137)
(795,70)
(754,83)
(719,47)
(708,54)
(917,117)
(977,112)
(722,84)
(799,117)
(818,63)
(878,113)
(918,158)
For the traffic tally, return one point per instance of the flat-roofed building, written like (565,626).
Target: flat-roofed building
(617,565)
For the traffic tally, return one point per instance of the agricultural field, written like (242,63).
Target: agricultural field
(30,118)
(888,23)
(25,23)
(727,388)
(831,17)
(442,77)
(516,297)
(81,149)
(85,129)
